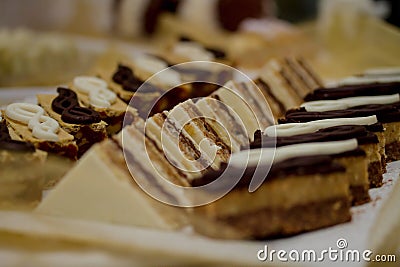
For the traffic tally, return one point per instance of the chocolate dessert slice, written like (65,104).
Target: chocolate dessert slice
(304,190)
(84,124)
(94,93)
(359,164)
(31,123)
(287,81)
(385,107)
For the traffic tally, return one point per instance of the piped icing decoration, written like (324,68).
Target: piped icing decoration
(66,104)
(158,67)
(345,103)
(292,129)
(97,89)
(251,158)
(7,143)
(390,71)
(125,77)
(42,126)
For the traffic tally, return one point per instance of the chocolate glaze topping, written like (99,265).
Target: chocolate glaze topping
(337,133)
(66,104)
(125,77)
(384,113)
(298,166)
(6,143)
(374,89)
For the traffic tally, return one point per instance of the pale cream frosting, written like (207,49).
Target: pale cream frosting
(292,129)
(267,156)
(345,103)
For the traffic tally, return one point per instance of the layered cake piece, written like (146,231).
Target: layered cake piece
(32,124)
(321,198)
(253,98)
(286,82)
(367,130)
(94,93)
(101,187)
(359,164)
(84,124)
(190,121)
(178,147)
(385,107)
(20,170)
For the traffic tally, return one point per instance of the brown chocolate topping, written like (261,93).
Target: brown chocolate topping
(66,104)
(337,133)
(125,77)
(7,143)
(374,89)
(384,113)
(265,87)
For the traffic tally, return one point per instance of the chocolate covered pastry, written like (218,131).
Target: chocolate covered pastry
(321,197)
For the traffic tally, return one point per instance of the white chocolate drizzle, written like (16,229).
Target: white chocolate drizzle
(292,129)
(267,156)
(345,103)
(192,51)
(97,90)
(42,126)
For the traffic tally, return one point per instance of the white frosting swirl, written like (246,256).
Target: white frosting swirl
(252,158)
(345,103)
(292,129)
(97,89)
(42,126)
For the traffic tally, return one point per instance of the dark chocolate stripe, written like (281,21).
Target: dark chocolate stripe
(372,89)
(337,133)
(384,113)
(310,72)
(130,159)
(265,87)
(7,143)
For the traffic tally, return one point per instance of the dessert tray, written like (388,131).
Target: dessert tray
(89,243)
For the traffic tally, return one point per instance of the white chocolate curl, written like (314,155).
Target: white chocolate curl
(42,126)
(97,89)
(345,103)
(292,129)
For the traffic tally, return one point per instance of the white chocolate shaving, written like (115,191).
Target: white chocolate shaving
(97,89)
(345,103)
(292,129)
(42,126)
(267,156)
